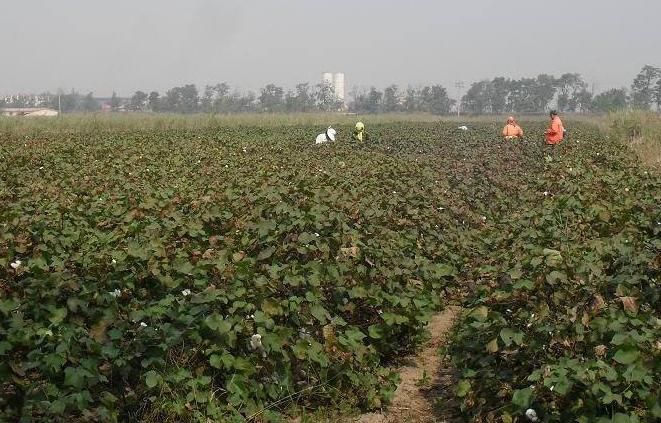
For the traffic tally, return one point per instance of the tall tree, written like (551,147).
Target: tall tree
(373,101)
(570,88)
(154,101)
(411,100)
(303,99)
(138,102)
(543,92)
(391,100)
(181,99)
(68,102)
(435,100)
(643,87)
(500,89)
(477,99)
(610,101)
(522,96)
(215,98)
(114,102)
(327,100)
(89,103)
(272,98)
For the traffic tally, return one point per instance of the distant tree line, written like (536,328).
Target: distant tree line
(567,93)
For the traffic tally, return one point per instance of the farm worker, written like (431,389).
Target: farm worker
(359,133)
(512,129)
(327,136)
(556,132)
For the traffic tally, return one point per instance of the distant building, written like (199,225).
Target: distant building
(28,111)
(337,82)
(27,101)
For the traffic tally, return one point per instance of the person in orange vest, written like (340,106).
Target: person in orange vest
(512,130)
(556,132)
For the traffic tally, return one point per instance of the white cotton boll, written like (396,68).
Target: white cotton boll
(143,324)
(256,342)
(532,415)
(116,293)
(185,292)
(463,128)
(15,265)
(114,261)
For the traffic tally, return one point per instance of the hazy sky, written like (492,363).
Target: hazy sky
(125,45)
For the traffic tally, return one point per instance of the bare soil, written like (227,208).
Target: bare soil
(414,401)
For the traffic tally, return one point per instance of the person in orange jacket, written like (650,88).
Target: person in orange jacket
(556,132)
(512,130)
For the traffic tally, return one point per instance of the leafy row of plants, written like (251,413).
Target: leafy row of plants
(186,275)
(565,323)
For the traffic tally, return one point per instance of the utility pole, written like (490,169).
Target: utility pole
(59,105)
(459,85)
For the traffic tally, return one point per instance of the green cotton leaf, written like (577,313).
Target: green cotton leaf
(271,307)
(522,397)
(492,347)
(355,335)
(375,332)
(39,263)
(610,397)
(319,313)
(536,261)
(134,249)
(7,306)
(74,377)
(216,361)
(524,284)
(626,356)
(555,276)
(392,319)
(266,253)
(58,315)
(216,323)
(358,292)
(57,407)
(509,336)
(624,418)
(4,347)
(463,388)
(185,268)
(441,270)
(480,313)
(562,386)
(619,338)
(260,317)
(152,379)
(506,335)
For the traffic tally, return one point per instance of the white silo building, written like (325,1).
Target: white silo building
(338,84)
(327,79)
(337,81)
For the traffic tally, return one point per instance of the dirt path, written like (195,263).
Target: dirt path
(413,403)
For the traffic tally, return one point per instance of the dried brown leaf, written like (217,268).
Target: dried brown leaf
(630,304)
